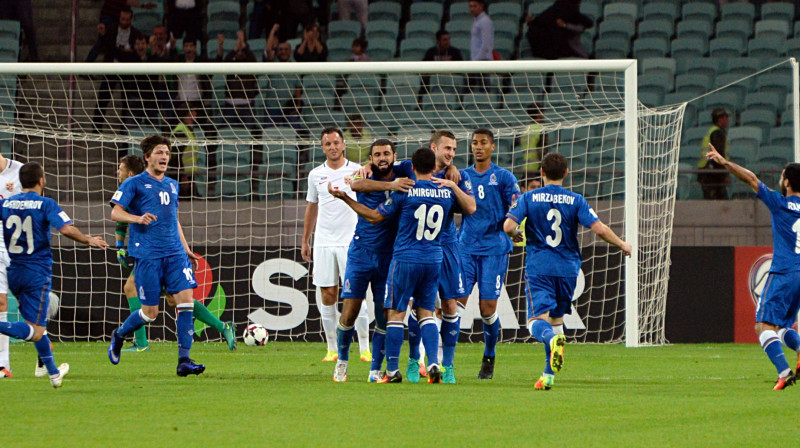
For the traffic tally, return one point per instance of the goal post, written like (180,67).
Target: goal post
(245,216)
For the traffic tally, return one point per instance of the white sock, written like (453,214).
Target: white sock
(4,361)
(439,326)
(362,327)
(558,329)
(329,321)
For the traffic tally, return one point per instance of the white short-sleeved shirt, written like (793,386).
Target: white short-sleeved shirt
(9,186)
(336,221)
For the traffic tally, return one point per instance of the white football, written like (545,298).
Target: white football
(255,334)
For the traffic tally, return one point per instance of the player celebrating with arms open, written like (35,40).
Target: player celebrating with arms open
(779,303)
(149,203)
(553,256)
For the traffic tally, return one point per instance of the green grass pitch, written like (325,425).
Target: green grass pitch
(282,395)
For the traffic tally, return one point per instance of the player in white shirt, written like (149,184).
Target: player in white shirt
(9,186)
(333,224)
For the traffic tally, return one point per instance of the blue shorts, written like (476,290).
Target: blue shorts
(31,287)
(548,293)
(489,271)
(172,274)
(365,267)
(407,280)
(780,299)
(451,277)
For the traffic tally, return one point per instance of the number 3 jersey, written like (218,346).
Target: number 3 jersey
(27,218)
(142,194)
(551,229)
(421,214)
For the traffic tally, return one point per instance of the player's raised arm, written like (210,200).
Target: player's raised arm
(371,215)
(119,214)
(464,201)
(740,172)
(74,234)
(369,185)
(608,235)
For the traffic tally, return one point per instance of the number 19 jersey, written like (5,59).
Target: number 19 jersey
(142,194)
(421,214)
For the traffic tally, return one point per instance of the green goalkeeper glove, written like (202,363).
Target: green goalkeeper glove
(122,252)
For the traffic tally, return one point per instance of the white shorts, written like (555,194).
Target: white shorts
(3,279)
(329,265)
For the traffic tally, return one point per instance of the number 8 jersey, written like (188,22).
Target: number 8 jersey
(142,194)
(551,229)
(422,213)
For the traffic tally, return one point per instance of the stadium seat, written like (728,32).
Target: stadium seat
(660,10)
(699,10)
(459,11)
(738,28)
(660,82)
(504,46)
(228,28)
(763,100)
(650,47)
(699,66)
(743,66)
(650,96)
(9,29)
(730,101)
(622,10)
(147,19)
(616,28)
(739,10)
(385,10)
(511,11)
(765,47)
(422,29)
(381,29)
(725,47)
(660,28)
(694,28)
(414,48)
(349,29)
(760,118)
(612,48)
(382,49)
(688,48)
(460,28)
(734,83)
(429,11)
(781,136)
(697,84)
(590,9)
(659,65)
(777,11)
(504,28)
(746,141)
(693,136)
(216,10)
(778,29)
(9,50)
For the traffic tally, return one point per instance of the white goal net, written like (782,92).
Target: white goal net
(255,132)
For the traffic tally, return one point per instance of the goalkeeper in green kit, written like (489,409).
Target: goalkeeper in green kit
(130,166)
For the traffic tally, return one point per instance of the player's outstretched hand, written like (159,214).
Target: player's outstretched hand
(364,172)
(453,174)
(714,156)
(401,184)
(122,252)
(444,183)
(194,259)
(335,192)
(626,248)
(146,219)
(96,241)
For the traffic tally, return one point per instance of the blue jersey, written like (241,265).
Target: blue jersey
(421,214)
(27,218)
(551,229)
(785,213)
(378,237)
(142,194)
(481,233)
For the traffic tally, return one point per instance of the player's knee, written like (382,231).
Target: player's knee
(3,303)
(171,300)
(150,312)
(38,332)
(129,289)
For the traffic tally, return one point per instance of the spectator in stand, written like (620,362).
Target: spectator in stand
(109,21)
(715,185)
(288,14)
(556,32)
(158,43)
(142,92)
(311,49)
(22,11)
(358,139)
(191,89)
(481,42)
(442,51)
(357,8)
(275,50)
(186,17)
(184,161)
(360,50)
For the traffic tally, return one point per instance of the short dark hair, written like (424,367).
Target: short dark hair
(424,160)
(30,173)
(484,131)
(791,172)
(554,166)
(126,9)
(382,142)
(189,41)
(442,32)
(134,163)
(361,42)
(436,136)
(718,113)
(151,141)
(331,129)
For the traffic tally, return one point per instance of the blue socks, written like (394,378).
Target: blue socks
(543,332)
(414,336)
(344,336)
(394,341)
(430,338)
(46,354)
(134,322)
(185,329)
(771,344)
(19,330)
(450,329)
(491,333)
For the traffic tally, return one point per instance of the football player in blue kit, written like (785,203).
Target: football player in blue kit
(416,260)
(27,218)
(148,202)
(369,256)
(777,308)
(553,257)
(484,245)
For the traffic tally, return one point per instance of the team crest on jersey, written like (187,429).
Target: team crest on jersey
(387,202)
(468,184)
(10,186)
(347,286)
(174,191)
(492,179)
